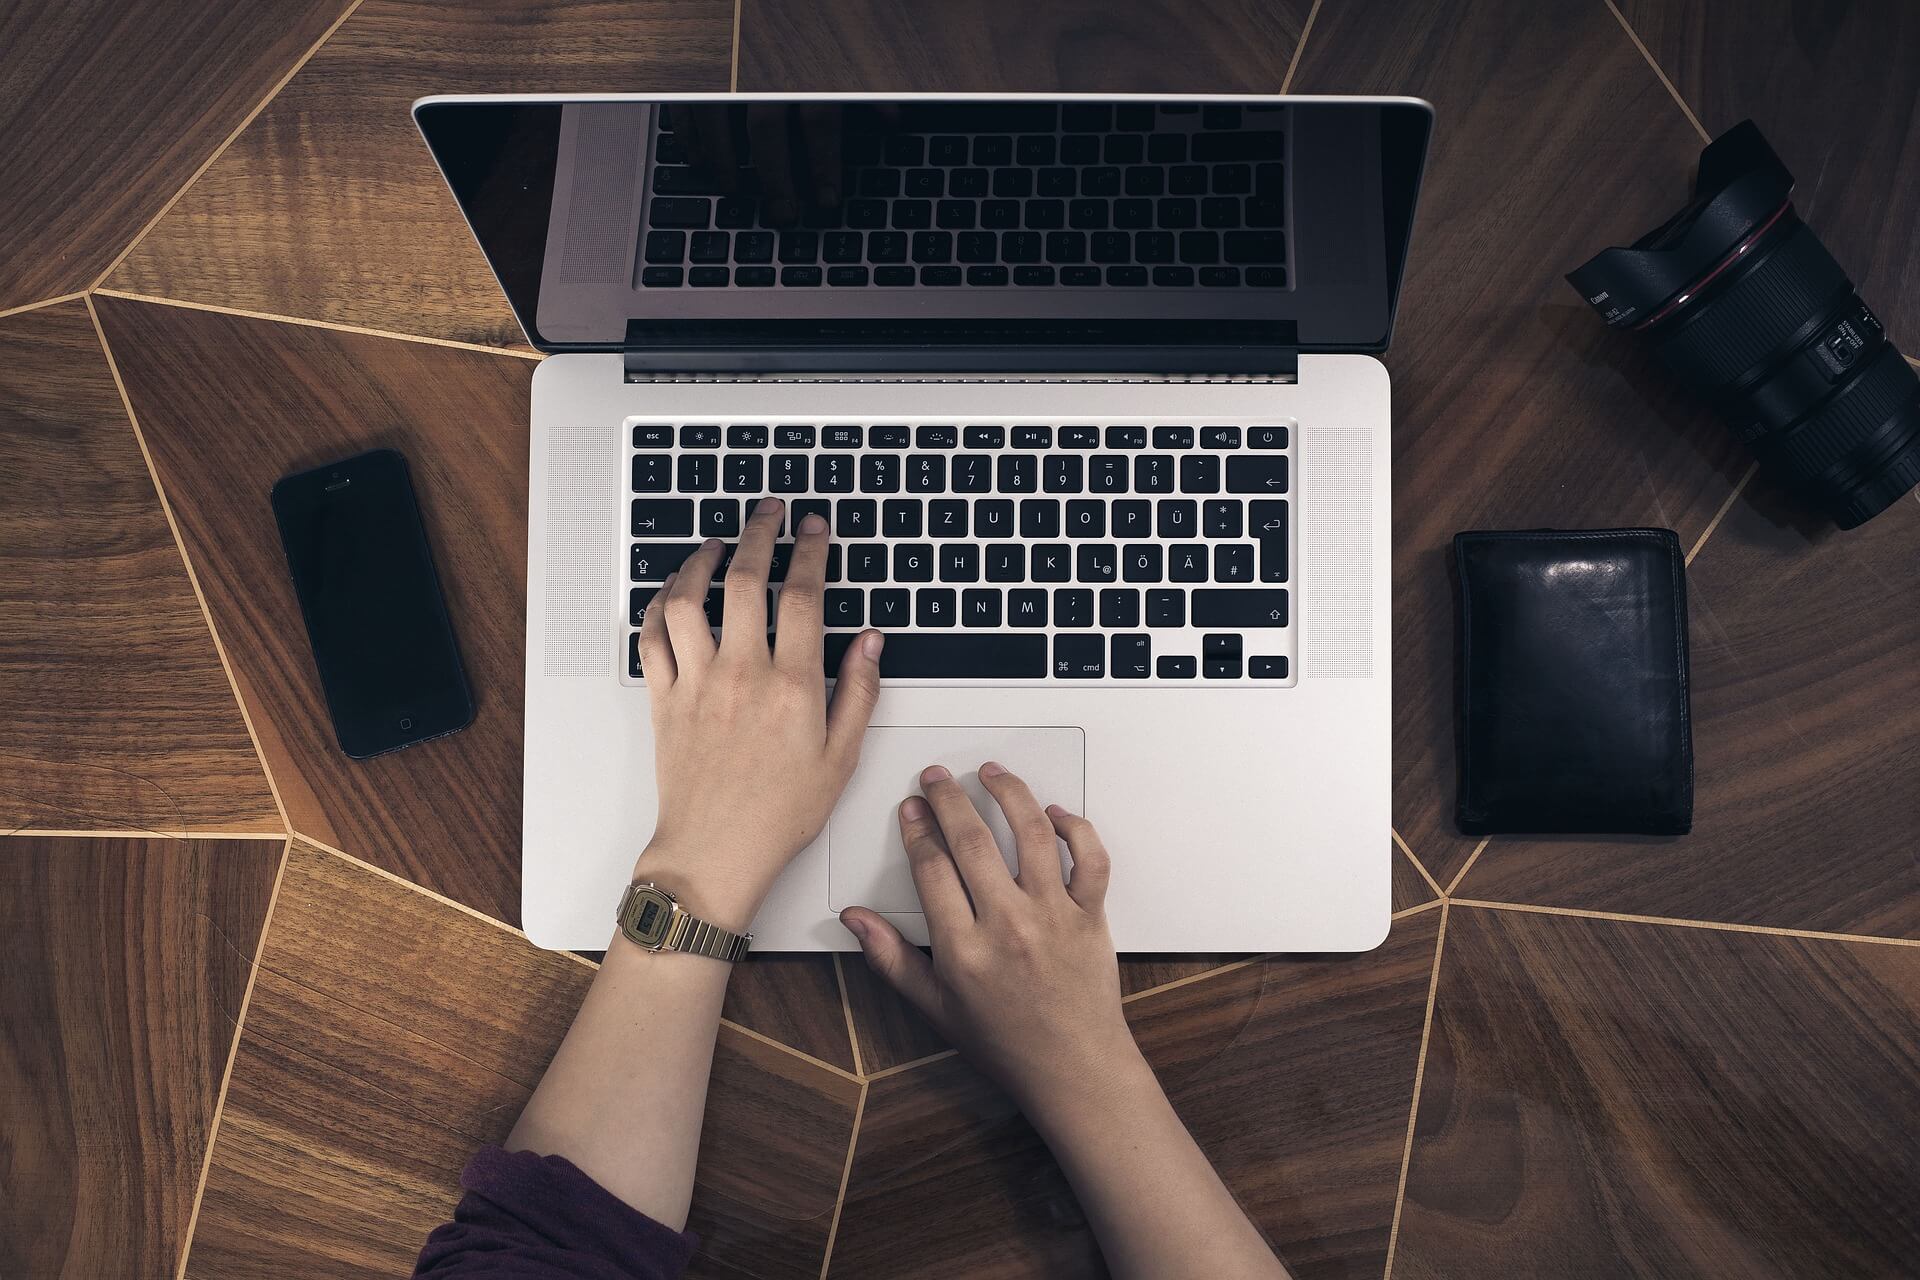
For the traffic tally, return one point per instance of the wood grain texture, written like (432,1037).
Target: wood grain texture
(123,966)
(115,713)
(228,406)
(891,1033)
(1609,1099)
(390,1036)
(1513,406)
(1295,1076)
(1142,46)
(107,109)
(1836,89)
(1806,708)
(328,207)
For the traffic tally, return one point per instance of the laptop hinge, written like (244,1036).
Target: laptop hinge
(960,351)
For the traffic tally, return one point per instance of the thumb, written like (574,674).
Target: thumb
(855,691)
(904,967)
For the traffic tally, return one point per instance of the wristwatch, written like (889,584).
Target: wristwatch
(651,918)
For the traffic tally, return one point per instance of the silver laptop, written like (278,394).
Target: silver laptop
(1086,388)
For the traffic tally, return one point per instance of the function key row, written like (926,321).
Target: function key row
(788,473)
(701,436)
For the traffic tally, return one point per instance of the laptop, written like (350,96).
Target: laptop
(1086,388)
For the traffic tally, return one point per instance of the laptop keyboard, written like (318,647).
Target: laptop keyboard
(993,195)
(1003,552)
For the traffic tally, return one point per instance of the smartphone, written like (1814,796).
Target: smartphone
(371,600)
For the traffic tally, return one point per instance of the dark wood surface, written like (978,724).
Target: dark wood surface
(107,109)
(329,206)
(1806,707)
(115,714)
(1081,46)
(1513,407)
(1295,1076)
(389,1036)
(1612,1099)
(123,964)
(1836,90)
(445,814)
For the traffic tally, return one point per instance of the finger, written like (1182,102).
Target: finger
(1033,835)
(968,839)
(855,690)
(1088,884)
(686,609)
(943,899)
(820,134)
(656,651)
(798,646)
(768,135)
(745,622)
(903,966)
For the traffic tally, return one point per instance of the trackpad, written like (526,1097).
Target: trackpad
(866,865)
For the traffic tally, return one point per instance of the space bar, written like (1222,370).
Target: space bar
(959,656)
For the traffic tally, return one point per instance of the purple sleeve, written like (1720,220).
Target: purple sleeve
(529,1216)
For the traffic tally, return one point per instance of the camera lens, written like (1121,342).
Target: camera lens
(1745,306)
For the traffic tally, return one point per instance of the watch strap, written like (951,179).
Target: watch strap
(651,917)
(687,933)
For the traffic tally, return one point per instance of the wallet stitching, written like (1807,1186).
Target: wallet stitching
(1669,542)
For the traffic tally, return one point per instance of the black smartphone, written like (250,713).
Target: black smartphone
(371,599)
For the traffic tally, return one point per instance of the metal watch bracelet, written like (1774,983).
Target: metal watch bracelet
(651,918)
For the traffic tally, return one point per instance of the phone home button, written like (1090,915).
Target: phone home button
(406,722)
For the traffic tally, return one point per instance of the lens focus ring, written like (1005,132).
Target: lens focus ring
(1723,335)
(1845,422)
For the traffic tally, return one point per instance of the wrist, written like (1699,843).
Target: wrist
(705,883)
(1111,1079)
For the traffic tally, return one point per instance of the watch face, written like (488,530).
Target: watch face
(651,914)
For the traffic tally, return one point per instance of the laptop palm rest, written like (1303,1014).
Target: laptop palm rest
(866,864)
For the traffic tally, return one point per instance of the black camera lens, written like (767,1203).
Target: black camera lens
(1745,306)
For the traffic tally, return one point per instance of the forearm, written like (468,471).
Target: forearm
(1152,1198)
(624,1095)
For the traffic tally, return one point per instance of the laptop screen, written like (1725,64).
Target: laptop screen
(931,223)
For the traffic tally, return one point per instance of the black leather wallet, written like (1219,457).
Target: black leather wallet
(1573,682)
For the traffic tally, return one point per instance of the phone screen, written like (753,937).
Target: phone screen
(381,637)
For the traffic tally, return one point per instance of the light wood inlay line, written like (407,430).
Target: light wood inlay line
(1721,926)
(1467,865)
(733,86)
(1192,978)
(846,1011)
(397,336)
(846,1175)
(1306,29)
(1418,865)
(898,1067)
(35,306)
(1425,906)
(1752,469)
(1419,1077)
(1640,44)
(129,833)
(233,1051)
(186,561)
(220,150)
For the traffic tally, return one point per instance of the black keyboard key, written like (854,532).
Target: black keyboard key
(1219,277)
(1132,518)
(1153,246)
(942,277)
(927,472)
(1233,562)
(1173,437)
(698,473)
(1096,562)
(1219,437)
(1006,562)
(893,276)
(800,277)
(953,215)
(912,562)
(934,607)
(1027,608)
(1220,115)
(980,608)
(845,607)
(847,277)
(1126,437)
(889,438)
(1119,607)
(993,149)
(1133,215)
(1046,215)
(933,246)
(1063,473)
(936,438)
(879,473)
(912,215)
(1040,518)
(1018,473)
(1167,147)
(947,518)
(1034,150)
(1051,563)
(662,518)
(1141,562)
(841,246)
(707,277)
(662,277)
(744,437)
(1079,657)
(1239,144)
(1257,474)
(1232,179)
(856,518)
(986,437)
(1130,657)
(1112,246)
(652,436)
(1055,183)
(887,246)
(1244,247)
(1220,517)
(1000,215)
(1079,437)
(753,246)
(832,473)
(1269,525)
(986,277)
(924,184)
(653,561)
(959,562)
(993,518)
(787,473)
(1187,180)
(977,246)
(1173,277)
(678,211)
(902,150)
(1174,668)
(666,246)
(1153,473)
(1086,519)
(734,212)
(754,277)
(866,562)
(1264,668)
(700,437)
(841,437)
(1127,277)
(1200,473)
(1264,212)
(1100,180)
(1242,608)
(1066,246)
(1200,248)
(741,473)
(1072,607)
(1266,437)
(900,518)
(637,601)
(1220,213)
(1108,474)
(1178,518)
(890,607)
(1166,608)
(1177,213)
(801,508)
(1090,215)
(955,656)
(708,246)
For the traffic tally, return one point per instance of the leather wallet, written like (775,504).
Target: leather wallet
(1573,682)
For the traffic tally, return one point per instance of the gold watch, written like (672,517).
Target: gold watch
(651,918)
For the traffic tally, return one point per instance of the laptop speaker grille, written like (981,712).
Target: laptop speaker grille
(580,511)
(1336,552)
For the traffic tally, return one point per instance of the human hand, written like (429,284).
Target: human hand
(750,758)
(1023,978)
